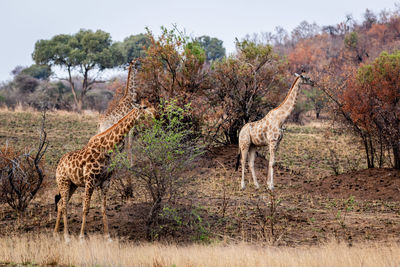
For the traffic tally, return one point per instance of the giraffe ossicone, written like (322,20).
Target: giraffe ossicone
(267,132)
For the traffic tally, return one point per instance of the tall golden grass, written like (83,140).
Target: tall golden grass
(45,250)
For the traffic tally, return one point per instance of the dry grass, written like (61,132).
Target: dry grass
(311,150)
(44,250)
(66,131)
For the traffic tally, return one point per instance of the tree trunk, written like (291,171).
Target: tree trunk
(367,152)
(152,216)
(396,155)
(77,101)
(231,135)
(79,105)
(372,152)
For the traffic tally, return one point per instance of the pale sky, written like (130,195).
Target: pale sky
(23,22)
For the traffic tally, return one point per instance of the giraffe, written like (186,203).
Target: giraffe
(88,168)
(267,131)
(124,105)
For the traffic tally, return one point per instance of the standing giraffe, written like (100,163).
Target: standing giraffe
(88,167)
(127,102)
(267,131)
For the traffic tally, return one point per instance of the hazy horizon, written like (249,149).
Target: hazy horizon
(25,22)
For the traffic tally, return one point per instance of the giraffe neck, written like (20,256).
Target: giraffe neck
(125,104)
(288,104)
(108,139)
(130,90)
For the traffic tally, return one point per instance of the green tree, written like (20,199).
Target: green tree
(212,47)
(40,72)
(351,40)
(317,100)
(135,46)
(86,53)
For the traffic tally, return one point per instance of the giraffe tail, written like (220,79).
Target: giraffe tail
(237,161)
(56,199)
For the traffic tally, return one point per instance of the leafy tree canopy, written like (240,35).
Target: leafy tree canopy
(135,46)
(84,52)
(40,72)
(212,47)
(85,49)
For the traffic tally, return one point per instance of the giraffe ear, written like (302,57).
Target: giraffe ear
(297,75)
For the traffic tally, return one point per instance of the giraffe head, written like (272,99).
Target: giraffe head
(305,79)
(147,110)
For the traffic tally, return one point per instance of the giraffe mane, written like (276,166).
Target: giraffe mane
(290,90)
(116,124)
(131,64)
(104,116)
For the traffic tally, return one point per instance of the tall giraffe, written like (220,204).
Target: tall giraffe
(267,131)
(88,167)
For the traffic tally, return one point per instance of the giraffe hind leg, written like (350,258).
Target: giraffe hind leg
(243,153)
(104,190)
(252,156)
(66,194)
(59,205)
(271,163)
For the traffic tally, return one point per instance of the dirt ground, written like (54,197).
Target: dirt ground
(358,206)
(309,205)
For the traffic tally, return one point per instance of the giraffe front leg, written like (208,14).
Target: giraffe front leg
(104,190)
(243,161)
(252,156)
(86,205)
(272,150)
(63,210)
(57,226)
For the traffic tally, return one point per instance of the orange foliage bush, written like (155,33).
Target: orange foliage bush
(372,100)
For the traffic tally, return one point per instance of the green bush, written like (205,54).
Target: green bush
(162,153)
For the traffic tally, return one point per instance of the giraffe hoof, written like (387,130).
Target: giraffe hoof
(67,239)
(55,235)
(243,186)
(271,187)
(108,238)
(81,239)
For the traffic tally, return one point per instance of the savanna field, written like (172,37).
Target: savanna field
(328,95)
(313,216)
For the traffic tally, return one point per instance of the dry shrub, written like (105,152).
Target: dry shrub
(124,184)
(21,174)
